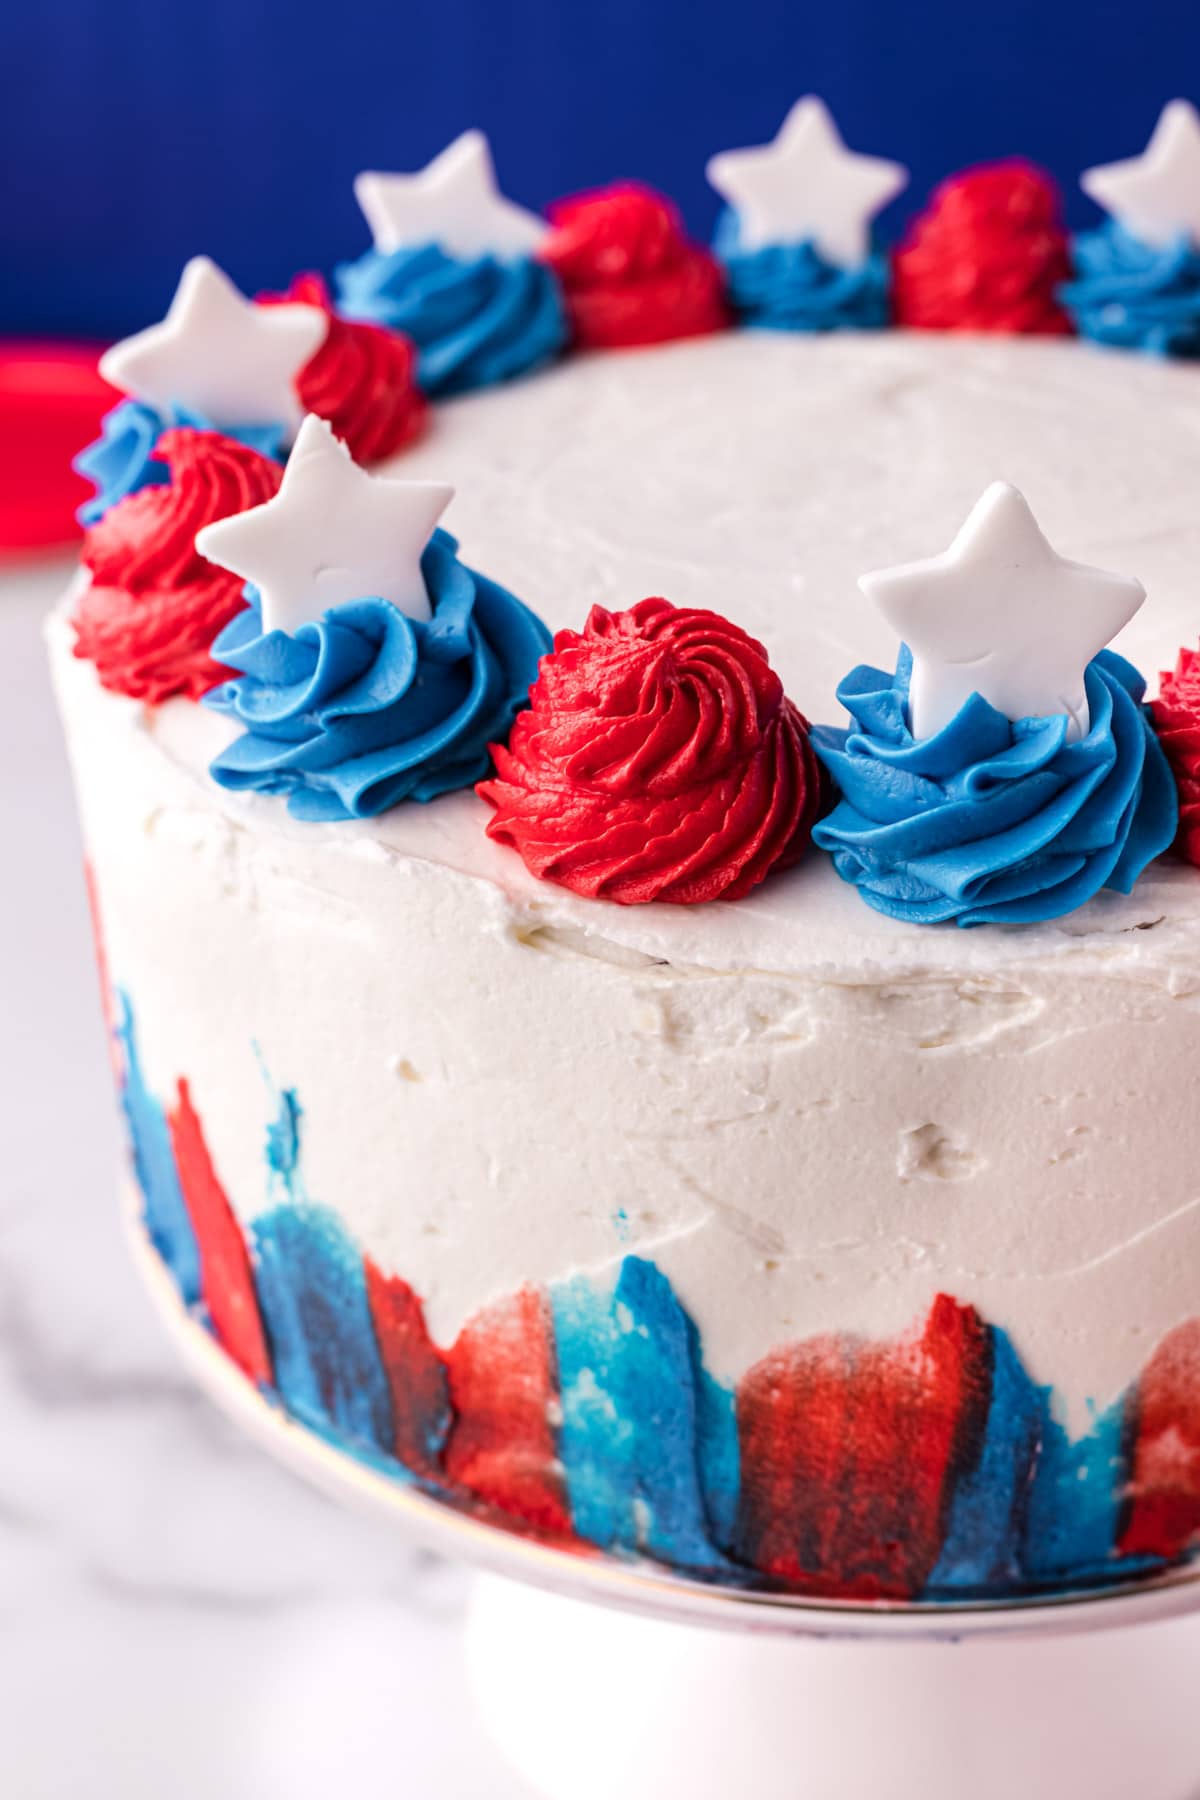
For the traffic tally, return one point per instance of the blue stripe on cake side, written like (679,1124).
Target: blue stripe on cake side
(164,1209)
(313,1296)
(632,1442)
(312,1291)
(982,1547)
(1075,1501)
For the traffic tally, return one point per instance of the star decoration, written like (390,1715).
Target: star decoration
(1002,615)
(218,355)
(332,533)
(454,202)
(806,186)
(1156,196)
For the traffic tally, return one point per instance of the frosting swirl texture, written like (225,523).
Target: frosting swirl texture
(659,760)
(988,254)
(474,322)
(155,604)
(791,287)
(989,820)
(122,460)
(362,379)
(628,272)
(1134,295)
(365,707)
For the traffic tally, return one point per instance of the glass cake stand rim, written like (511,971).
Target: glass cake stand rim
(637,1585)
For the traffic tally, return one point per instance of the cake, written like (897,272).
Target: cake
(668,1205)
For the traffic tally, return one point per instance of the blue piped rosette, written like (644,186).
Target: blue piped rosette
(792,287)
(987,820)
(474,322)
(366,707)
(1134,295)
(121,460)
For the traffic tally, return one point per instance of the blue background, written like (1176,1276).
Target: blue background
(134,133)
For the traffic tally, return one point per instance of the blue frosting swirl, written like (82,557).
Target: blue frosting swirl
(366,707)
(121,460)
(791,287)
(989,820)
(1134,295)
(474,322)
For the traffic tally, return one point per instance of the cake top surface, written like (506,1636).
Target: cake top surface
(758,475)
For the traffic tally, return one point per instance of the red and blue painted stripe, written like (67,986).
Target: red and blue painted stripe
(930,1466)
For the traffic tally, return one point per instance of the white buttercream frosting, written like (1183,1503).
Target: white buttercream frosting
(811,1116)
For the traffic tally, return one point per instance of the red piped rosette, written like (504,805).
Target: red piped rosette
(659,760)
(362,379)
(989,254)
(629,274)
(1176,715)
(155,604)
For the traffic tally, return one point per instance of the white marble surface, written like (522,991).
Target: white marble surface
(178,1616)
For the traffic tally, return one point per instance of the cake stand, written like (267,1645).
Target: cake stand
(599,1679)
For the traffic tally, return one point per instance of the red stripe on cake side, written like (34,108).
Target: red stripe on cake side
(226,1277)
(851,1449)
(1163,1505)
(108,1005)
(504,1390)
(415,1370)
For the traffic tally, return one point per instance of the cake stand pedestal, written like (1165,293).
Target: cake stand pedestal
(605,1681)
(589,1703)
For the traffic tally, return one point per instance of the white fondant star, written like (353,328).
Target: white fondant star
(218,354)
(807,185)
(332,533)
(1156,196)
(1001,614)
(453,201)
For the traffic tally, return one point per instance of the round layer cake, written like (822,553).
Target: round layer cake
(779,1240)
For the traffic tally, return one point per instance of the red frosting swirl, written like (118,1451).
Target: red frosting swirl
(659,760)
(1176,715)
(155,604)
(989,254)
(628,273)
(362,379)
